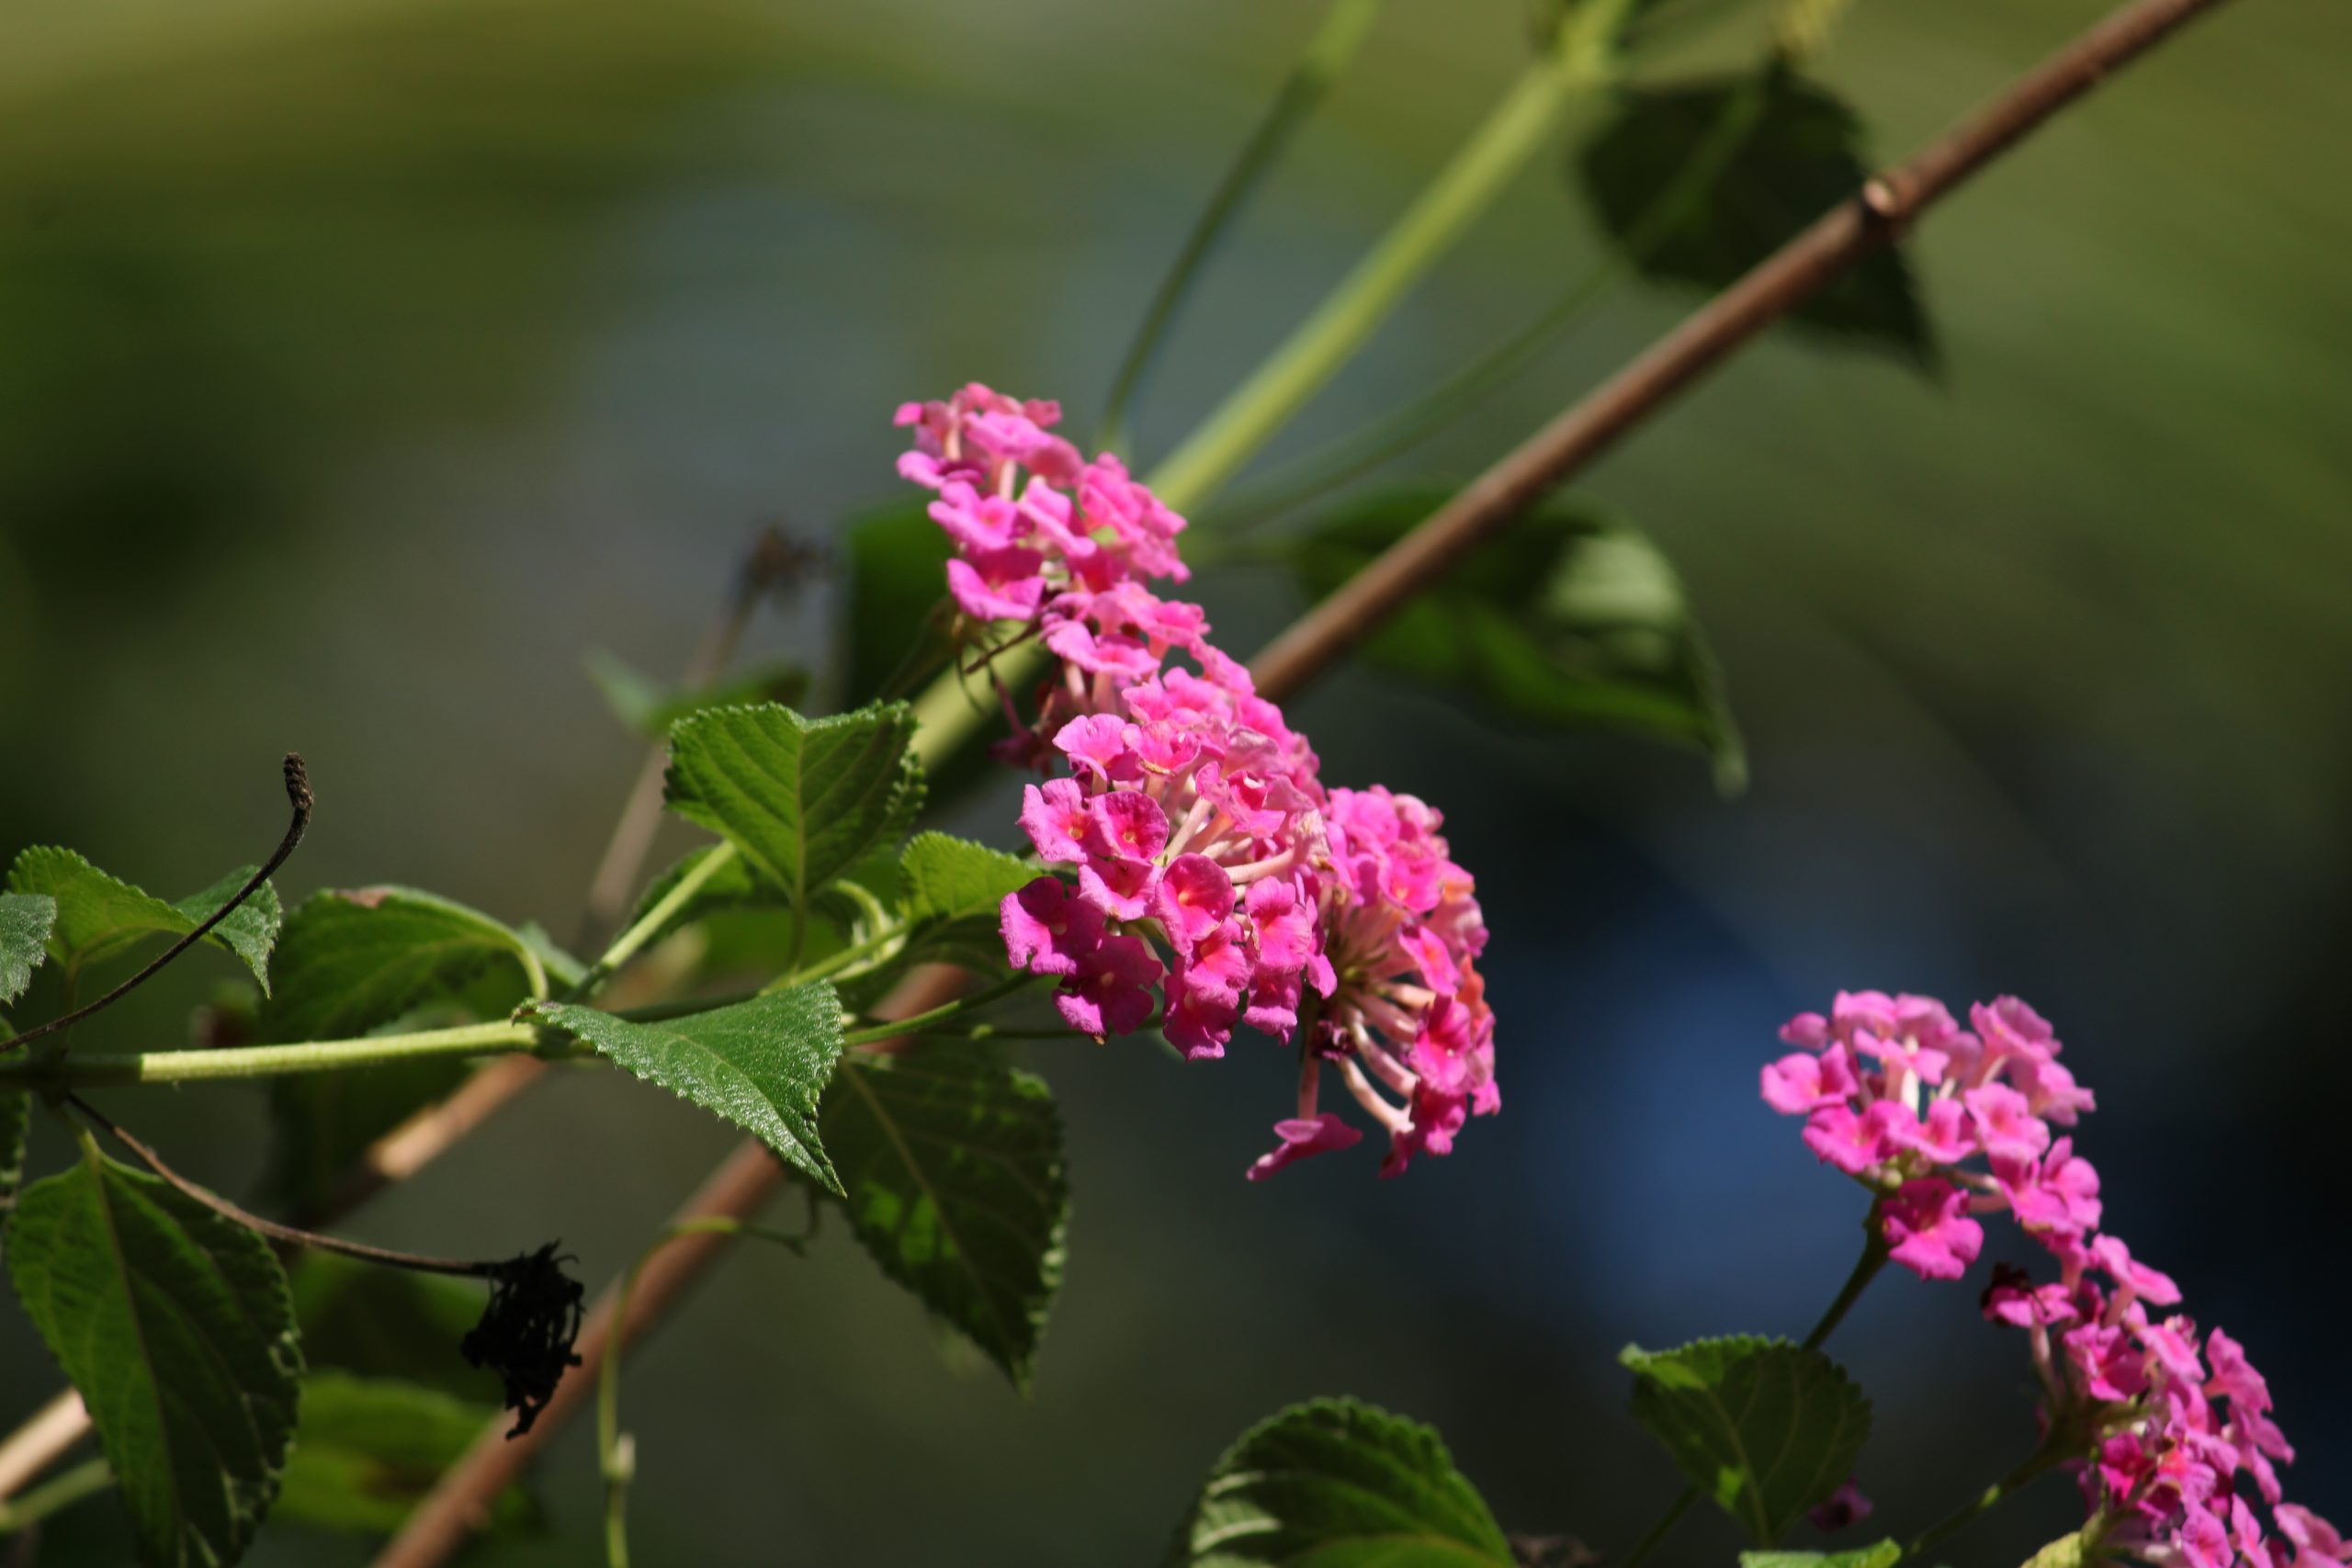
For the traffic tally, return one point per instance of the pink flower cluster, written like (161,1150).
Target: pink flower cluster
(1200,875)
(1900,1097)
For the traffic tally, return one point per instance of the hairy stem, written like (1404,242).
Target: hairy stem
(1581,59)
(2057,1451)
(618,1453)
(894,1028)
(1328,54)
(91,1070)
(625,946)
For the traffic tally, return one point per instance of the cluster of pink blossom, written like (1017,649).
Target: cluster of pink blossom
(1900,1097)
(1200,875)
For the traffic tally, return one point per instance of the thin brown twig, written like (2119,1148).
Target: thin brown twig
(286,1236)
(297,796)
(441,1524)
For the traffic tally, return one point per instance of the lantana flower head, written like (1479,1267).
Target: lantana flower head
(1199,874)
(1896,1095)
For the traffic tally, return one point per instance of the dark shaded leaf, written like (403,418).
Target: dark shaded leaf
(1570,619)
(1801,156)
(953,1175)
(1337,1484)
(175,1325)
(369,1448)
(99,915)
(762,1064)
(889,627)
(1763,1427)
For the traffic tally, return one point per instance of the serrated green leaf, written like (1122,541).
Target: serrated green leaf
(1885,1554)
(1764,1427)
(99,915)
(369,1448)
(356,958)
(954,889)
(803,800)
(895,580)
(1338,1483)
(761,1064)
(1801,155)
(26,919)
(175,1325)
(953,1175)
(358,961)
(650,707)
(1571,618)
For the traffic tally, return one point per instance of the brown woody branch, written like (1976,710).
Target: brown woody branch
(442,1523)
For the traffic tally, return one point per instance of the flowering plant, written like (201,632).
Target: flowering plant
(841,985)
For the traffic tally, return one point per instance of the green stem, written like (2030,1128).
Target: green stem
(1866,1269)
(271,1061)
(618,1456)
(648,926)
(1664,1527)
(1582,58)
(2049,1457)
(1327,54)
(29,1508)
(1334,464)
(891,1028)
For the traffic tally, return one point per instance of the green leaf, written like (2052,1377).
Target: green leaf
(1337,1484)
(99,915)
(762,1064)
(1764,1429)
(388,1323)
(368,1449)
(953,1176)
(896,583)
(804,799)
(353,959)
(1885,1554)
(16,1115)
(175,1325)
(358,961)
(1801,156)
(26,919)
(1571,618)
(649,708)
(954,888)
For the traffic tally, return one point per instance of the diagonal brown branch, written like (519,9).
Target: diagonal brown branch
(443,1522)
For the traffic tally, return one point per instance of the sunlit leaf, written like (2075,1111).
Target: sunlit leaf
(1763,1427)
(761,1064)
(99,915)
(25,920)
(1885,1554)
(1337,1484)
(803,800)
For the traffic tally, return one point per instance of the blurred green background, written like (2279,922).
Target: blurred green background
(363,363)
